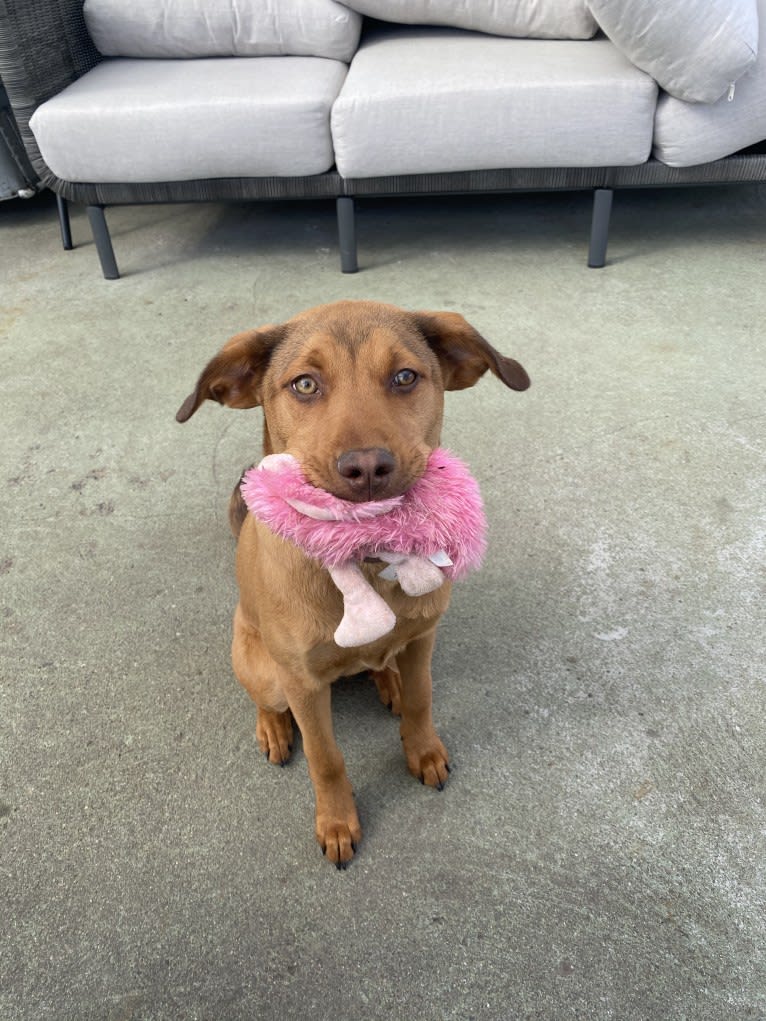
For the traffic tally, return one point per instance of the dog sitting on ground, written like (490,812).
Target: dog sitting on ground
(355,392)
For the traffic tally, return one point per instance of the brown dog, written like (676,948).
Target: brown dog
(354,391)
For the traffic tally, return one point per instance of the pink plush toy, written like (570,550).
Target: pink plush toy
(434,530)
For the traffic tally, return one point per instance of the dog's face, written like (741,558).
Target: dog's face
(354,390)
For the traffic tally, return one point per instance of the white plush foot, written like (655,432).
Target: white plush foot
(366,615)
(416,575)
(377,621)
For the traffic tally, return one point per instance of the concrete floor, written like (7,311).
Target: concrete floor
(599,850)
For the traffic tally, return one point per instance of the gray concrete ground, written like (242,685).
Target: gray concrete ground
(599,850)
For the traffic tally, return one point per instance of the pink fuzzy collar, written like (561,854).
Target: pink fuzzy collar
(440,517)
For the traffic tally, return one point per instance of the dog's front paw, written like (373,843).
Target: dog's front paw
(427,761)
(339,840)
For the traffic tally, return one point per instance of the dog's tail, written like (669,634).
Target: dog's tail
(237,507)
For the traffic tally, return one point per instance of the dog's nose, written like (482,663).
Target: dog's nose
(366,470)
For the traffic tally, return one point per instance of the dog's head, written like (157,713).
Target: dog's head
(354,390)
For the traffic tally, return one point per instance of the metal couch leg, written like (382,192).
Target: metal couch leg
(103,242)
(347,234)
(66,230)
(599,230)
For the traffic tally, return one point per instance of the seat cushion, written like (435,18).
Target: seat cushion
(693,50)
(130,121)
(533,19)
(223,28)
(440,100)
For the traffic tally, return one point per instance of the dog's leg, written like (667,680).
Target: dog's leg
(337,823)
(258,674)
(426,756)
(280,699)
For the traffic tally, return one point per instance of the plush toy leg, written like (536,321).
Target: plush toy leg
(366,616)
(416,575)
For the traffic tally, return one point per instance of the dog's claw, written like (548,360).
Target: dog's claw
(340,866)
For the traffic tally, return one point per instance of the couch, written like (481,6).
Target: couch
(211,100)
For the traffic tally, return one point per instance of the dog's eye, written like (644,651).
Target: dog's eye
(305,386)
(405,379)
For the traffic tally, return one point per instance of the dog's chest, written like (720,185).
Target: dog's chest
(295,605)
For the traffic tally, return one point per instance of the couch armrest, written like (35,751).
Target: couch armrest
(44,46)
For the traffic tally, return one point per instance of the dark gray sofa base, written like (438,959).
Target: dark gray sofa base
(740,168)
(749,167)
(97,197)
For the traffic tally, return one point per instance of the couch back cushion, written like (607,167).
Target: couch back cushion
(533,19)
(687,134)
(223,28)
(694,51)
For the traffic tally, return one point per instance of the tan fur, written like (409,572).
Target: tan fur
(283,651)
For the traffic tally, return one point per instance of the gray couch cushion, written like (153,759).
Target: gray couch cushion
(134,121)
(222,28)
(541,19)
(693,50)
(432,100)
(686,134)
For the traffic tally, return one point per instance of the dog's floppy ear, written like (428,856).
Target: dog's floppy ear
(234,375)
(464,355)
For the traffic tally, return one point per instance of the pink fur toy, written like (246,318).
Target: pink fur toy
(434,530)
